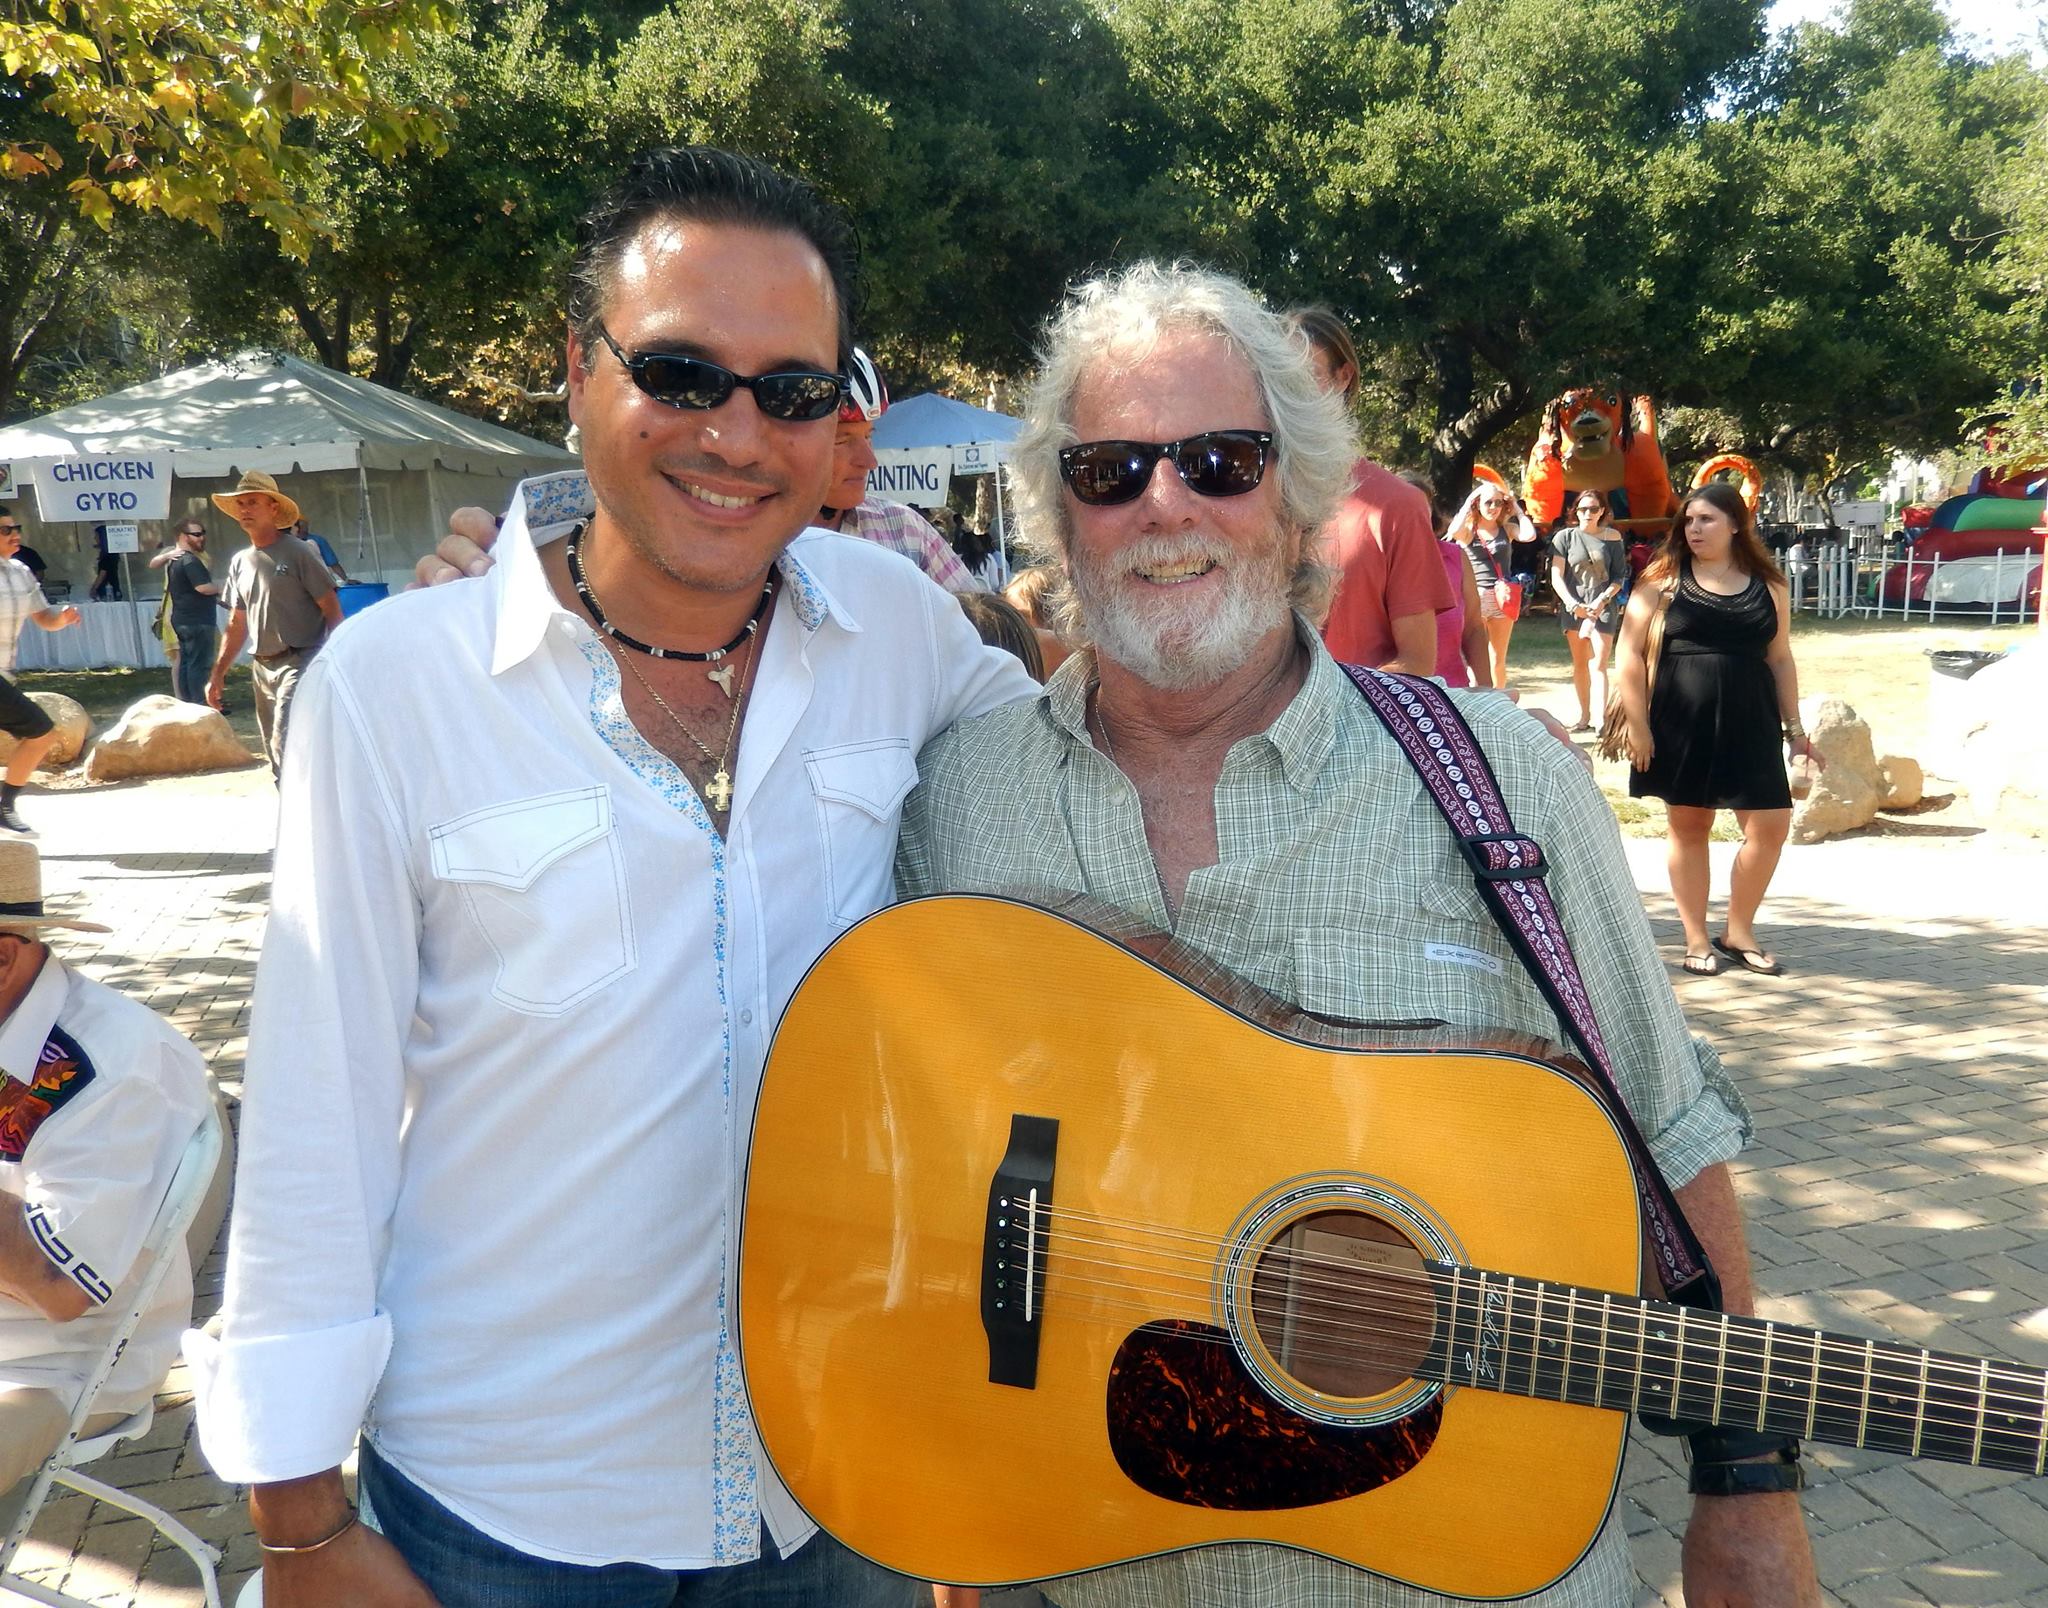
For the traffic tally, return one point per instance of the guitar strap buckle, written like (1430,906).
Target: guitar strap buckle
(1503,857)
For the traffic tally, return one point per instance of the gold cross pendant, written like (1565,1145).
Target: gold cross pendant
(718,791)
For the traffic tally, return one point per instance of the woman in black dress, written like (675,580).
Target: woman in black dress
(1726,709)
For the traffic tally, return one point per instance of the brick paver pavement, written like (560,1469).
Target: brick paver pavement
(1899,1184)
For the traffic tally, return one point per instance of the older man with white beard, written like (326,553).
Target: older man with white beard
(1203,764)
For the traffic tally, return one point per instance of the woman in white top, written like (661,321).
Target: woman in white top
(1485,527)
(1589,569)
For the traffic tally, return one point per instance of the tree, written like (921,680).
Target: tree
(2019,409)
(192,110)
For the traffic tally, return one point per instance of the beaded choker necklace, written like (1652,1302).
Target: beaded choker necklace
(721,675)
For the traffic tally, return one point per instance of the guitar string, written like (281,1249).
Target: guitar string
(1425,1287)
(1733,1372)
(1619,1380)
(1436,1282)
(1734,1366)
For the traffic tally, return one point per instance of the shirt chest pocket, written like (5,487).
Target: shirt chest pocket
(859,789)
(1436,959)
(545,883)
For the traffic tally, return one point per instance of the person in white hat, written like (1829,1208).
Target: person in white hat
(279,589)
(98,1096)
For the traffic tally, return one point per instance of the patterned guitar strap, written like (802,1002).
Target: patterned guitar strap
(1510,871)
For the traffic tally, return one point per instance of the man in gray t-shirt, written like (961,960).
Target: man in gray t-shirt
(278,590)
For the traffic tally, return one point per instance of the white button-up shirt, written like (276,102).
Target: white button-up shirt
(509,1025)
(86,1153)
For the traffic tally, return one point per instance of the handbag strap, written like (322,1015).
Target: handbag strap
(1653,648)
(1510,871)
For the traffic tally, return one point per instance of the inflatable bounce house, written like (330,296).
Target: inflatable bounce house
(1988,540)
(1600,441)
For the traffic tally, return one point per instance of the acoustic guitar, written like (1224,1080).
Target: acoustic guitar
(1124,1258)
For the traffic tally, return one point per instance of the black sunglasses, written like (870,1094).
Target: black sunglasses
(795,396)
(1216,463)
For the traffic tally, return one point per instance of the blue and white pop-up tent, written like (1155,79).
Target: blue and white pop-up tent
(923,441)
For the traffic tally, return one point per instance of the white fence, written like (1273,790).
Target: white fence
(1867,577)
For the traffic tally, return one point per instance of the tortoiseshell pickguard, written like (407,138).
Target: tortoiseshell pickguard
(1187,1422)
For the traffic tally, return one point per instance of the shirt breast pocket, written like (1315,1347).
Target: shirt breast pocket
(545,883)
(1432,960)
(859,789)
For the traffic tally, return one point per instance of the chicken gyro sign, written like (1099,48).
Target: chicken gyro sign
(98,486)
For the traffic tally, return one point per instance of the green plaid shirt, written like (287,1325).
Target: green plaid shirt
(1337,887)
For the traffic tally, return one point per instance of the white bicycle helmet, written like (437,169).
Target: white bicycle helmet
(867,394)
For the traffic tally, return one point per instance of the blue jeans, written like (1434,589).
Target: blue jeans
(464,1568)
(195,660)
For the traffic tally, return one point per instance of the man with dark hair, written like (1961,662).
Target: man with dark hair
(21,717)
(31,559)
(192,599)
(1391,584)
(554,849)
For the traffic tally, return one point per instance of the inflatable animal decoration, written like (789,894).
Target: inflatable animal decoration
(1599,441)
(1732,463)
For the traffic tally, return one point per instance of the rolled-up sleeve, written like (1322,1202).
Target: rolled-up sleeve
(303,1343)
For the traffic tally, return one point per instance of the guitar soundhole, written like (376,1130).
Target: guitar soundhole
(1343,1303)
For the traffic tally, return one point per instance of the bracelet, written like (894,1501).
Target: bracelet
(1718,1468)
(272,1551)
(1728,1445)
(1794,732)
(1747,1479)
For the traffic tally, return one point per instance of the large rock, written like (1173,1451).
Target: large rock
(1905,783)
(160,736)
(74,727)
(1851,785)
(2003,757)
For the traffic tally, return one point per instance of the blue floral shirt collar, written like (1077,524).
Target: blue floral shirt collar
(548,507)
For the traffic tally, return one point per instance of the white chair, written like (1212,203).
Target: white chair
(180,1205)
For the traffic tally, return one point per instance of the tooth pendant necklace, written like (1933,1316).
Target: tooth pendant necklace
(717,791)
(719,674)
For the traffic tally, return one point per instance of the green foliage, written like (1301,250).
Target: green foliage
(1809,248)
(2019,409)
(193,110)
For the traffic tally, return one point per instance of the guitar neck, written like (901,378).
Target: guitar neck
(1562,1343)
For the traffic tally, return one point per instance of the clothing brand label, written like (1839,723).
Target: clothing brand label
(1459,955)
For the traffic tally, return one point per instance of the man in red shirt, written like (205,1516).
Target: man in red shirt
(1381,542)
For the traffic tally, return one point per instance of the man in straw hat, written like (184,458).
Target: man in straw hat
(98,1097)
(278,588)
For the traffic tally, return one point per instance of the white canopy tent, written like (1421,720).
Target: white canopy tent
(373,470)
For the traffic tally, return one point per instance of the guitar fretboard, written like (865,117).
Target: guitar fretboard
(1560,1342)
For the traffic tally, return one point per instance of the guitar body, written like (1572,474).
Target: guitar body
(1186,1382)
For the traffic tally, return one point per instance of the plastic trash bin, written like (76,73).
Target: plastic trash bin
(359,595)
(1960,663)
(1952,711)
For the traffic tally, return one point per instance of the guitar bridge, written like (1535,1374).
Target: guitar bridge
(1013,1251)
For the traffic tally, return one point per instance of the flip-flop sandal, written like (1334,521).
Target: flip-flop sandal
(1760,961)
(1584,725)
(1704,965)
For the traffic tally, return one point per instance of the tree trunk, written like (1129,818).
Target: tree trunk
(47,263)
(331,343)
(394,356)
(1458,442)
